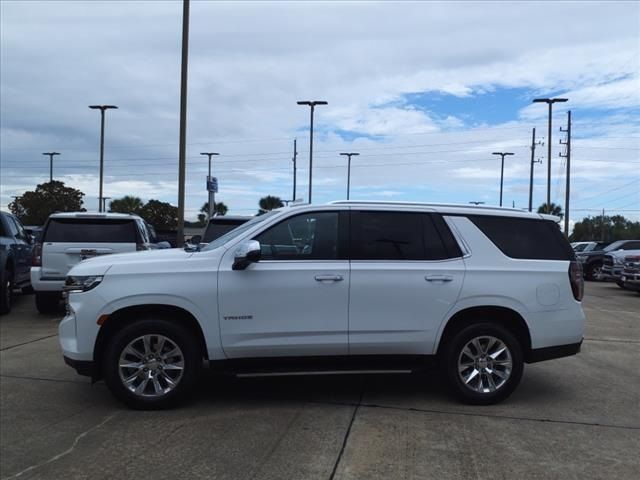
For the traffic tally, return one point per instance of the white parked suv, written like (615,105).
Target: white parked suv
(343,286)
(68,238)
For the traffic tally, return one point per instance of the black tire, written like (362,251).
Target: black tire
(593,269)
(621,284)
(48,302)
(6,291)
(453,354)
(181,336)
(28,290)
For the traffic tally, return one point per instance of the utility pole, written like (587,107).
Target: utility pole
(351,154)
(567,155)
(312,104)
(502,154)
(295,157)
(533,153)
(210,197)
(182,161)
(51,155)
(102,109)
(550,102)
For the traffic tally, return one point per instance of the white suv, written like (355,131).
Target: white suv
(68,238)
(344,286)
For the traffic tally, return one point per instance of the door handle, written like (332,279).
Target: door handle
(438,278)
(329,278)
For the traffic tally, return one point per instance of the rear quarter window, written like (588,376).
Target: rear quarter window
(79,230)
(525,238)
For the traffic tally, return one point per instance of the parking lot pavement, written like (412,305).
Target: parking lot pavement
(576,417)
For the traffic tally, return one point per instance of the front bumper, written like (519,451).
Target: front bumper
(611,273)
(83,367)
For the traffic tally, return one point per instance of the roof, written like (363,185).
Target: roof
(452,208)
(106,215)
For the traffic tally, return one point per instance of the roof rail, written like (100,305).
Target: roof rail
(424,204)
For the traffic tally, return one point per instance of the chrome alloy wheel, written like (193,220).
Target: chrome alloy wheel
(151,365)
(485,364)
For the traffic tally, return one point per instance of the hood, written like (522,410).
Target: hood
(100,265)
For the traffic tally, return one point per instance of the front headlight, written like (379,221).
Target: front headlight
(581,258)
(75,283)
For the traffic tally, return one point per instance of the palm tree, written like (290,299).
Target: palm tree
(551,209)
(269,203)
(126,204)
(220,208)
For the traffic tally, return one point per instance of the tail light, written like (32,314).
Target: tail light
(142,246)
(576,280)
(36,258)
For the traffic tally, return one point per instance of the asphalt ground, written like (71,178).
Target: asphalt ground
(571,418)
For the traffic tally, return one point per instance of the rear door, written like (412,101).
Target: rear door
(23,248)
(406,274)
(67,241)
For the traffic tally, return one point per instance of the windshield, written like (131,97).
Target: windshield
(614,246)
(218,242)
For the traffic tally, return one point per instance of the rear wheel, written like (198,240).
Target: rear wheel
(152,364)
(6,291)
(47,302)
(484,363)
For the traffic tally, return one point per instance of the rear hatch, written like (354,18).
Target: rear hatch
(67,241)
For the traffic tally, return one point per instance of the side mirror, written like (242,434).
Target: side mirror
(163,245)
(248,252)
(196,239)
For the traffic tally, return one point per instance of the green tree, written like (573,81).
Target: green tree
(605,228)
(551,209)
(269,203)
(220,209)
(33,207)
(126,204)
(162,215)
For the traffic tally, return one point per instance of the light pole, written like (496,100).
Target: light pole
(477,203)
(210,200)
(104,203)
(550,102)
(502,154)
(102,109)
(51,155)
(312,104)
(349,155)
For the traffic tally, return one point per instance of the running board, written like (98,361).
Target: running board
(311,372)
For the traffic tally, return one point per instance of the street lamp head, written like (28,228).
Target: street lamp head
(102,107)
(51,153)
(550,100)
(209,153)
(312,103)
(350,154)
(502,153)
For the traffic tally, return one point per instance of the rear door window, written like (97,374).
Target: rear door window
(399,236)
(80,230)
(525,238)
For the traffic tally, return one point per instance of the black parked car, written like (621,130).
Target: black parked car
(16,248)
(592,261)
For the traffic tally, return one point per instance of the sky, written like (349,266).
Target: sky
(424,91)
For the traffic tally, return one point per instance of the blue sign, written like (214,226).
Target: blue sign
(212,184)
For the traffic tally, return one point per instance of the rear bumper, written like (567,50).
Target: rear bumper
(549,353)
(45,284)
(83,367)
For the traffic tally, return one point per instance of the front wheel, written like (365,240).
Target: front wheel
(484,363)
(152,364)
(48,302)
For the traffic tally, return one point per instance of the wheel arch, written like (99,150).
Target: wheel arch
(503,316)
(123,316)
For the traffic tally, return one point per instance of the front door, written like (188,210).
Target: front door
(294,301)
